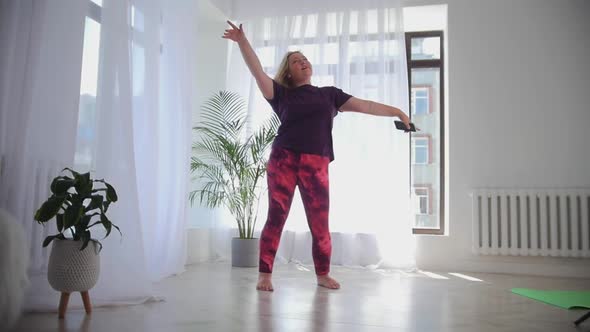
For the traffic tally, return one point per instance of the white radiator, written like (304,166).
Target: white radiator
(531,222)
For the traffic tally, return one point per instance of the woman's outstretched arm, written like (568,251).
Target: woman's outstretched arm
(262,79)
(370,107)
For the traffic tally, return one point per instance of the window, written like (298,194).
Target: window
(328,54)
(421,152)
(425,58)
(86,134)
(365,58)
(333,40)
(421,200)
(425,48)
(421,100)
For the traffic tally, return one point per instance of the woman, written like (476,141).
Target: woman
(301,151)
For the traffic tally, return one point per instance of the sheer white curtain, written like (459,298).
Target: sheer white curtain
(144,107)
(362,51)
(41,44)
(167,239)
(141,132)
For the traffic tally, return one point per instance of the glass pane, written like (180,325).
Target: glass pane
(312,26)
(331,54)
(423,205)
(364,21)
(138,69)
(365,86)
(310,51)
(426,147)
(372,21)
(333,24)
(354,22)
(421,201)
(422,143)
(87,109)
(425,48)
(365,51)
(421,191)
(137,19)
(391,48)
(267,56)
(420,151)
(421,155)
(322,80)
(391,20)
(98,2)
(421,106)
(267,30)
(296,26)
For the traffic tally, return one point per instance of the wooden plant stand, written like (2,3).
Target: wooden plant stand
(65,298)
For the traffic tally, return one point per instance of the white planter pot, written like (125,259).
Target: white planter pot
(72,270)
(244,252)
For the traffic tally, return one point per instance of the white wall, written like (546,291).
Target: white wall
(224,6)
(517,116)
(211,51)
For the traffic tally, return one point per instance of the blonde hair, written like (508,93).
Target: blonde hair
(282,76)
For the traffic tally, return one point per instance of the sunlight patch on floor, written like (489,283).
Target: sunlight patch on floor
(466,277)
(302,268)
(433,275)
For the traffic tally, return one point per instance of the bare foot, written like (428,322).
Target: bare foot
(328,282)
(264,282)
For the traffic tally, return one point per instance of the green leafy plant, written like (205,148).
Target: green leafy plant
(229,161)
(77,205)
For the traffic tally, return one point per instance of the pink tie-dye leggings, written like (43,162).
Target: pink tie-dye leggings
(285,170)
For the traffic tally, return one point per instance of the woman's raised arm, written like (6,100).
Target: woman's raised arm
(262,79)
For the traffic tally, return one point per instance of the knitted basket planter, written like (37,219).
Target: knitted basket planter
(71,269)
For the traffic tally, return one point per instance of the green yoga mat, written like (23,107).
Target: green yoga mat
(562,299)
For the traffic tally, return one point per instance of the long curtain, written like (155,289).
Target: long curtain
(158,48)
(144,106)
(41,42)
(140,141)
(361,51)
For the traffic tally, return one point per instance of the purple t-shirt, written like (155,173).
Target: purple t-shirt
(307,113)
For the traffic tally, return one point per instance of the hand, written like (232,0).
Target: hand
(236,34)
(406,120)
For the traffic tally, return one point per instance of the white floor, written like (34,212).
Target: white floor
(216,297)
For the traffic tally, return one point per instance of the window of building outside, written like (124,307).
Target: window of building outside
(422,200)
(421,150)
(420,100)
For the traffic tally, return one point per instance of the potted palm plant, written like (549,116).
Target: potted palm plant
(230,163)
(77,204)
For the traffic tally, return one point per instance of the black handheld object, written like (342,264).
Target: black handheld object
(402,126)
